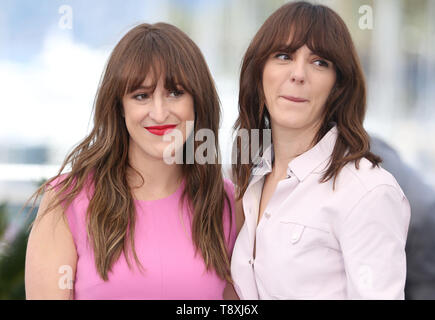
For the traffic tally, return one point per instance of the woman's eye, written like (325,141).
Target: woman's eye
(141,96)
(175,93)
(321,63)
(282,56)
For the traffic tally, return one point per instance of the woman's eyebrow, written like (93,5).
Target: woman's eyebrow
(144,88)
(317,55)
(285,48)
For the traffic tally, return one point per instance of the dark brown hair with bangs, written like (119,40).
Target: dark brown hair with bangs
(102,157)
(326,35)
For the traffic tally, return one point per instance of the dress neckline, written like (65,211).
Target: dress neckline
(169,197)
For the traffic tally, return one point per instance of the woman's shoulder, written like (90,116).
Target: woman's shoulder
(365,177)
(76,205)
(75,209)
(370,194)
(56,180)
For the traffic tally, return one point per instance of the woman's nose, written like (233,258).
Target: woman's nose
(298,75)
(158,112)
(298,79)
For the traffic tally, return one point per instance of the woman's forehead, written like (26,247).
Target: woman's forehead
(296,40)
(154,78)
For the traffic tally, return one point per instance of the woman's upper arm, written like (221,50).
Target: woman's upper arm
(372,239)
(51,255)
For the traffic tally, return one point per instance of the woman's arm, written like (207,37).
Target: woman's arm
(373,238)
(51,256)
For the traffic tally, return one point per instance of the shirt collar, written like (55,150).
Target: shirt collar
(305,163)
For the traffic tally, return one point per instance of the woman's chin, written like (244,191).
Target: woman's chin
(289,125)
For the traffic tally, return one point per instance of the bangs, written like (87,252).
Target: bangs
(152,55)
(309,25)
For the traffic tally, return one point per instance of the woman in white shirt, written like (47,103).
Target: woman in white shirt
(318,217)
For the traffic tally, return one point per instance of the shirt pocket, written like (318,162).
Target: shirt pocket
(304,251)
(305,234)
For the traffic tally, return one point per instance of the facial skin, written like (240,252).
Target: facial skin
(146,107)
(301,75)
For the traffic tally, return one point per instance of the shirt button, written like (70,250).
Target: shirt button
(267,215)
(251,261)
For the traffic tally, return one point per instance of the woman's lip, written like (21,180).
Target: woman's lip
(161,130)
(170,126)
(294,99)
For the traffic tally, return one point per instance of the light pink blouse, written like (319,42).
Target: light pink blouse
(316,243)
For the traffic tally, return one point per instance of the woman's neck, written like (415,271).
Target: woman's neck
(160,179)
(289,143)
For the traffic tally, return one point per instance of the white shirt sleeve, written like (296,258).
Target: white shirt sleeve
(372,238)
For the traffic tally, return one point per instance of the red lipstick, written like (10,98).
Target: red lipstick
(161,130)
(294,99)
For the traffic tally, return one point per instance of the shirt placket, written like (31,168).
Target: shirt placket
(283,190)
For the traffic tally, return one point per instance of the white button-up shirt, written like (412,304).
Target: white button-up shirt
(316,243)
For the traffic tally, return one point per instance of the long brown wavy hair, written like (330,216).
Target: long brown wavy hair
(102,157)
(325,34)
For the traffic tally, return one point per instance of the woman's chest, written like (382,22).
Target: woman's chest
(169,266)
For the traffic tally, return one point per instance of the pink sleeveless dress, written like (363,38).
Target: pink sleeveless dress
(164,246)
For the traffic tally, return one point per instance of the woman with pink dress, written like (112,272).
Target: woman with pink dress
(135,217)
